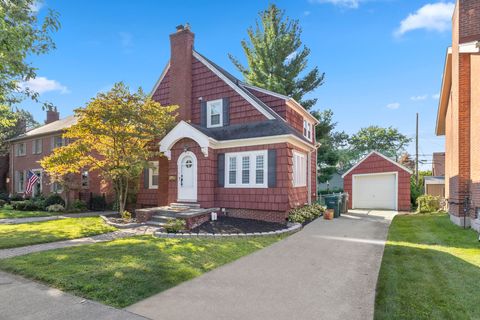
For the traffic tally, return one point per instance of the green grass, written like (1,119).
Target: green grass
(18,235)
(124,271)
(430,270)
(8,212)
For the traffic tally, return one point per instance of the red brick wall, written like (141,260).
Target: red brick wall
(376,164)
(469,20)
(4,172)
(438,166)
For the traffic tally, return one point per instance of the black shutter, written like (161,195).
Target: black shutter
(272,168)
(226,111)
(145,179)
(221,169)
(203,113)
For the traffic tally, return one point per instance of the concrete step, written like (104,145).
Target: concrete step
(181,205)
(156,223)
(160,218)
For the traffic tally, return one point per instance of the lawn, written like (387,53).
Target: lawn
(8,212)
(124,271)
(430,270)
(18,235)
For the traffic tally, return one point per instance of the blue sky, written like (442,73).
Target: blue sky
(383,59)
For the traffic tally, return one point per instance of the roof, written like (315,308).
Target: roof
(53,127)
(378,154)
(249,130)
(434,180)
(444,94)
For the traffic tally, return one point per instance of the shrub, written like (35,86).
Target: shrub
(2,203)
(306,213)
(54,198)
(428,203)
(98,202)
(55,208)
(25,205)
(126,216)
(16,197)
(175,225)
(4,196)
(79,205)
(330,191)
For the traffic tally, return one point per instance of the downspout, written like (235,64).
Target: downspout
(309,176)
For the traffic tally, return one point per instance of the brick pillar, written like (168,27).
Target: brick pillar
(181,45)
(163,188)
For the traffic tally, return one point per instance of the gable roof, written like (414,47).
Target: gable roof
(444,94)
(378,154)
(53,127)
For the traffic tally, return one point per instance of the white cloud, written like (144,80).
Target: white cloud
(37,6)
(432,17)
(419,98)
(291,56)
(351,4)
(436,96)
(393,105)
(42,85)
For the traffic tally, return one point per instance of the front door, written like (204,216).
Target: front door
(187,177)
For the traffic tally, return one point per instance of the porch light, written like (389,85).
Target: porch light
(185,148)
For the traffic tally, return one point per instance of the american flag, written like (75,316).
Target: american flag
(32,178)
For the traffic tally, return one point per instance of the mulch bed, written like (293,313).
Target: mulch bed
(237,225)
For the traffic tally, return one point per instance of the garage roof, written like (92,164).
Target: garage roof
(381,155)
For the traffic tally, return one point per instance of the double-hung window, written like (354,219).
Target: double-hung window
(215,113)
(307,129)
(21,149)
(20,181)
(57,142)
(37,146)
(85,180)
(299,169)
(153,175)
(246,169)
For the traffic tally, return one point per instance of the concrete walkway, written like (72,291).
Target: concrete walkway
(124,233)
(326,271)
(48,218)
(22,299)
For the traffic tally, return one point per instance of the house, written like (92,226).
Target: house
(241,150)
(335,183)
(458,116)
(28,149)
(435,185)
(378,182)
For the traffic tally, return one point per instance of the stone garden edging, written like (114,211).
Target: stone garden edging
(122,225)
(291,228)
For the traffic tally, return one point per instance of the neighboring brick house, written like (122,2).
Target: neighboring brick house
(246,150)
(435,185)
(459,114)
(378,182)
(28,149)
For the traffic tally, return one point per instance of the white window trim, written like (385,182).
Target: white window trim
(150,175)
(307,129)
(20,188)
(252,174)
(59,189)
(297,176)
(209,114)
(36,150)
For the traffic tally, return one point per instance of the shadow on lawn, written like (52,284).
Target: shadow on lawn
(424,283)
(124,271)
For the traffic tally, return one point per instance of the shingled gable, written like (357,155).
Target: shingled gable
(380,155)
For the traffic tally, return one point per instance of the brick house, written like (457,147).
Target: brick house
(245,150)
(378,182)
(28,149)
(458,115)
(435,185)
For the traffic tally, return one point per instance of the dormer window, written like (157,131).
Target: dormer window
(307,129)
(215,113)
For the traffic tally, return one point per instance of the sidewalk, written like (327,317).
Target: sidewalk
(48,218)
(22,299)
(13,252)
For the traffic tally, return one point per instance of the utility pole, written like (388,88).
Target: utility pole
(416,152)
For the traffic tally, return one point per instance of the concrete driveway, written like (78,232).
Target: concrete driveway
(326,271)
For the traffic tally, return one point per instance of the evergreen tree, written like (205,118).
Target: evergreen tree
(276,58)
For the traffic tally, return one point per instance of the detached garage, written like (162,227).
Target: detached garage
(378,182)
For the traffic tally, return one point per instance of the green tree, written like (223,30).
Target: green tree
(388,141)
(21,35)
(276,58)
(113,136)
(332,142)
(12,124)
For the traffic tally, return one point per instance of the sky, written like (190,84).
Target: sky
(383,59)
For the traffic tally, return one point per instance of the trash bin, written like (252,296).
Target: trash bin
(333,201)
(344,203)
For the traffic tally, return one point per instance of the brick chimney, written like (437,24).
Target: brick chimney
(181,47)
(52,115)
(469,20)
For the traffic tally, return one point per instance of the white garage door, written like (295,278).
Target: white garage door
(376,191)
